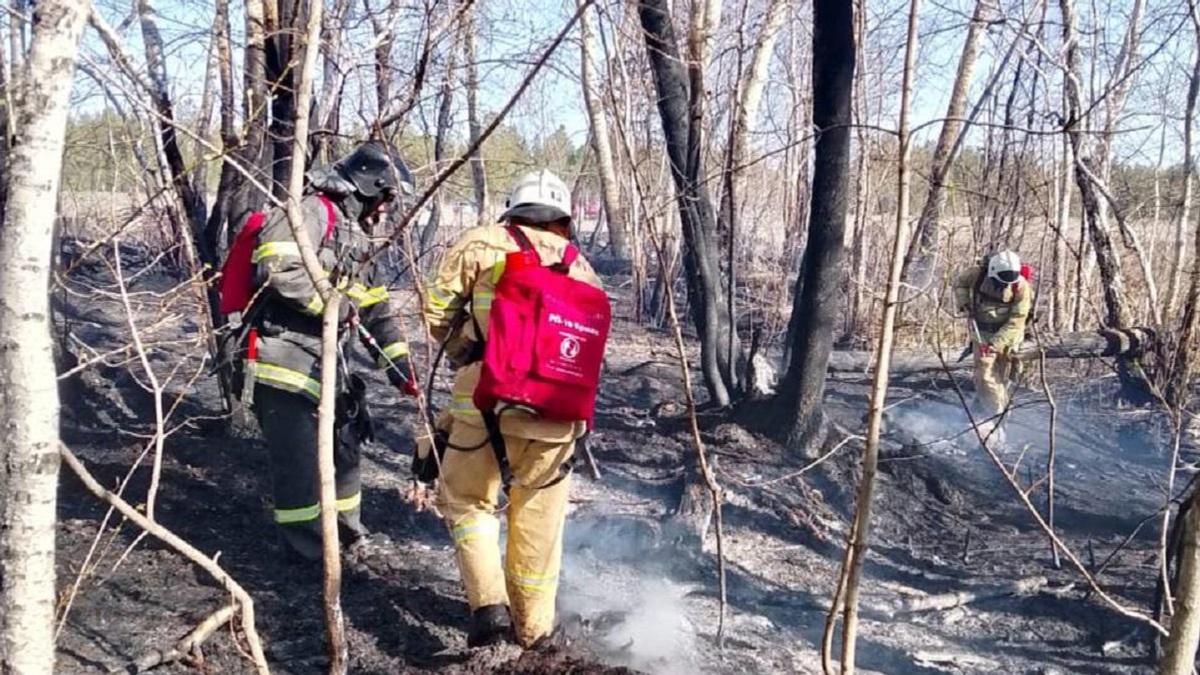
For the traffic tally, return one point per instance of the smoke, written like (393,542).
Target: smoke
(933,424)
(628,612)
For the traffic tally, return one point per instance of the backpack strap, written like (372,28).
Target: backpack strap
(522,239)
(570,254)
(330,214)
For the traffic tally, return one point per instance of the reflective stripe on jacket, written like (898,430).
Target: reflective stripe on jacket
(289,347)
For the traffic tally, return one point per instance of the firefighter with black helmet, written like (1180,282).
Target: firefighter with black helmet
(343,204)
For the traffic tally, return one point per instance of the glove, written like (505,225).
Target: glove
(401,381)
(424,463)
(986,349)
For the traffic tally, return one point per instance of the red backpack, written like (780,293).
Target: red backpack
(546,338)
(236,285)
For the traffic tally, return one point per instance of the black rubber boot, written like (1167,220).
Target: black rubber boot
(489,625)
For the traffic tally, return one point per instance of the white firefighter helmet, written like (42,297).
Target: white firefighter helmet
(1004,267)
(538,197)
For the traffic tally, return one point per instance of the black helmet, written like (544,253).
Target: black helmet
(377,171)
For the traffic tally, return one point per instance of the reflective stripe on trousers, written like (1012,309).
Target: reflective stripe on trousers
(311,512)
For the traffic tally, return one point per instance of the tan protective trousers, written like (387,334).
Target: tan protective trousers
(527,580)
(992,376)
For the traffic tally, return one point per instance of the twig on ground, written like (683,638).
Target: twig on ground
(803,470)
(243,599)
(187,645)
(155,387)
(1041,522)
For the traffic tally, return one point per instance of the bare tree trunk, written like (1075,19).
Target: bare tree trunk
(610,189)
(474,125)
(334,623)
(6,125)
(1115,298)
(326,111)
(203,131)
(750,92)
(797,410)
(857,550)
(1189,170)
(681,112)
(1180,655)
(29,403)
(382,27)
(918,266)
(1184,364)
(254,153)
(192,201)
(283,18)
(441,131)
(1062,278)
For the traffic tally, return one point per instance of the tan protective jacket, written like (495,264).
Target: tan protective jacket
(466,282)
(1000,310)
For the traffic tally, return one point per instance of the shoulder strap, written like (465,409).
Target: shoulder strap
(570,255)
(330,214)
(520,237)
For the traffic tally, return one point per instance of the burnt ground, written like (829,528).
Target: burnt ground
(634,593)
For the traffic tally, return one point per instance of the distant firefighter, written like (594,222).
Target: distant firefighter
(996,297)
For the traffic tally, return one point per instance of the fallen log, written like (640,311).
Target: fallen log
(1083,345)
(943,601)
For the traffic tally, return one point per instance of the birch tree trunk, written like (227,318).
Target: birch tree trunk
(750,93)
(28,390)
(1180,655)
(474,125)
(918,264)
(857,550)
(1115,300)
(1062,277)
(610,189)
(1189,170)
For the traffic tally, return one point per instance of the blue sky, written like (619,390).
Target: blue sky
(517,31)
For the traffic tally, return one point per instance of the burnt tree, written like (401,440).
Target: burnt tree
(282,20)
(192,199)
(797,409)
(682,117)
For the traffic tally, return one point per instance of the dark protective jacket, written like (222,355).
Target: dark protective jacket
(287,309)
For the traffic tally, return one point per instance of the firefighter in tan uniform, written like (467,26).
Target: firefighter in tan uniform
(520,590)
(344,202)
(997,301)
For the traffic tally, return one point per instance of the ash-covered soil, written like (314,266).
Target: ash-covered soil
(636,594)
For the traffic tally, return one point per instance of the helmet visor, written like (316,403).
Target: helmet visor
(1008,276)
